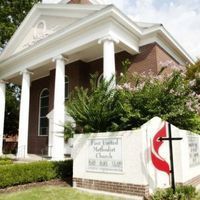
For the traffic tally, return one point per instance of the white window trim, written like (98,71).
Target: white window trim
(68,87)
(39,114)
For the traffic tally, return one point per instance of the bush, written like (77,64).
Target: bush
(97,109)
(16,174)
(4,158)
(134,101)
(169,98)
(193,75)
(182,193)
(5,162)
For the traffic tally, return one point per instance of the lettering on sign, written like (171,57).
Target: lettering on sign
(194,151)
(105,155)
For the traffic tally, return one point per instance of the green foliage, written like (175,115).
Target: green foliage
(193,74)
(97,109)
(12,12)
(134,101)
(182,193)
(169,98)
(68,130)
(16,174)
(4,158)
(12,109)
(5,162)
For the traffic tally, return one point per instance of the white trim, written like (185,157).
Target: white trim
(39,113)
(68,87)
(49,10)
(160,33)
(84,33)
(68,44)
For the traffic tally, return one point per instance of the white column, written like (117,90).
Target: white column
(59,110)
(24,116)
(2,112)
(109,57)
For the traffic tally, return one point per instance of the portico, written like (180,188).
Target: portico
(106,46)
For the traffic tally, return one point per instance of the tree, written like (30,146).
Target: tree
(12,109)
(12,12)
(136,99)
(193,75)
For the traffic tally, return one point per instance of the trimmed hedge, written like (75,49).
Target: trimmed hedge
(5,162)
(17,174)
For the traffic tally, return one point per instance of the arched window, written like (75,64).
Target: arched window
(43,111)
(66,87)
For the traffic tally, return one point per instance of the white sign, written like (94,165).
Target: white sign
(105,155)
(194,151)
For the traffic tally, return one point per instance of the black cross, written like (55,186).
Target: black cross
(170,139)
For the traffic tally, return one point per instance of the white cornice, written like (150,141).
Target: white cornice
(69,10)
(165,37)
(105,21)
(75,38)
(95,18)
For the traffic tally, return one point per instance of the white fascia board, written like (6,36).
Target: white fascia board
(76,38)
(109,11)
(69,10)
(128,41)
(154,38)
(174,42)
(167,41)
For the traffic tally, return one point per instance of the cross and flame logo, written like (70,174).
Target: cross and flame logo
(158,162)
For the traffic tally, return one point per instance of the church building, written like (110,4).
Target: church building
(56,48)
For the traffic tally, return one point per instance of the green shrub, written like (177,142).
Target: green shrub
(4,158)
(5,162)
(169,98)
(97,109)
(135,100)
(16,174)
(182,193)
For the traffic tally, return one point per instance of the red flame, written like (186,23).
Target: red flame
(157,160)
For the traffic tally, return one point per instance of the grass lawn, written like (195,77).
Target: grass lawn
(53,193)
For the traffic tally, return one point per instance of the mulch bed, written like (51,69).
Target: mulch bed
(57,182)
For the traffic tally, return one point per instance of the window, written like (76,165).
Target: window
(43,111)
(66,87)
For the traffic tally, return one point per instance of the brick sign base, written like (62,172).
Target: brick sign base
(114,187)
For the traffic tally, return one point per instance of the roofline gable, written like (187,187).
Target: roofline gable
(104,12)
(39,9)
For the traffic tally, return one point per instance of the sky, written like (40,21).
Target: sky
(180,17)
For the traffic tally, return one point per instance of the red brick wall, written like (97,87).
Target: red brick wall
(163,57)
(36,143)
(79,2)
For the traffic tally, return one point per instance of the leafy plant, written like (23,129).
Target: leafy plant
(68,130)
(169,98)
(97,109)
(182,193)
(193,75)
(135,100)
